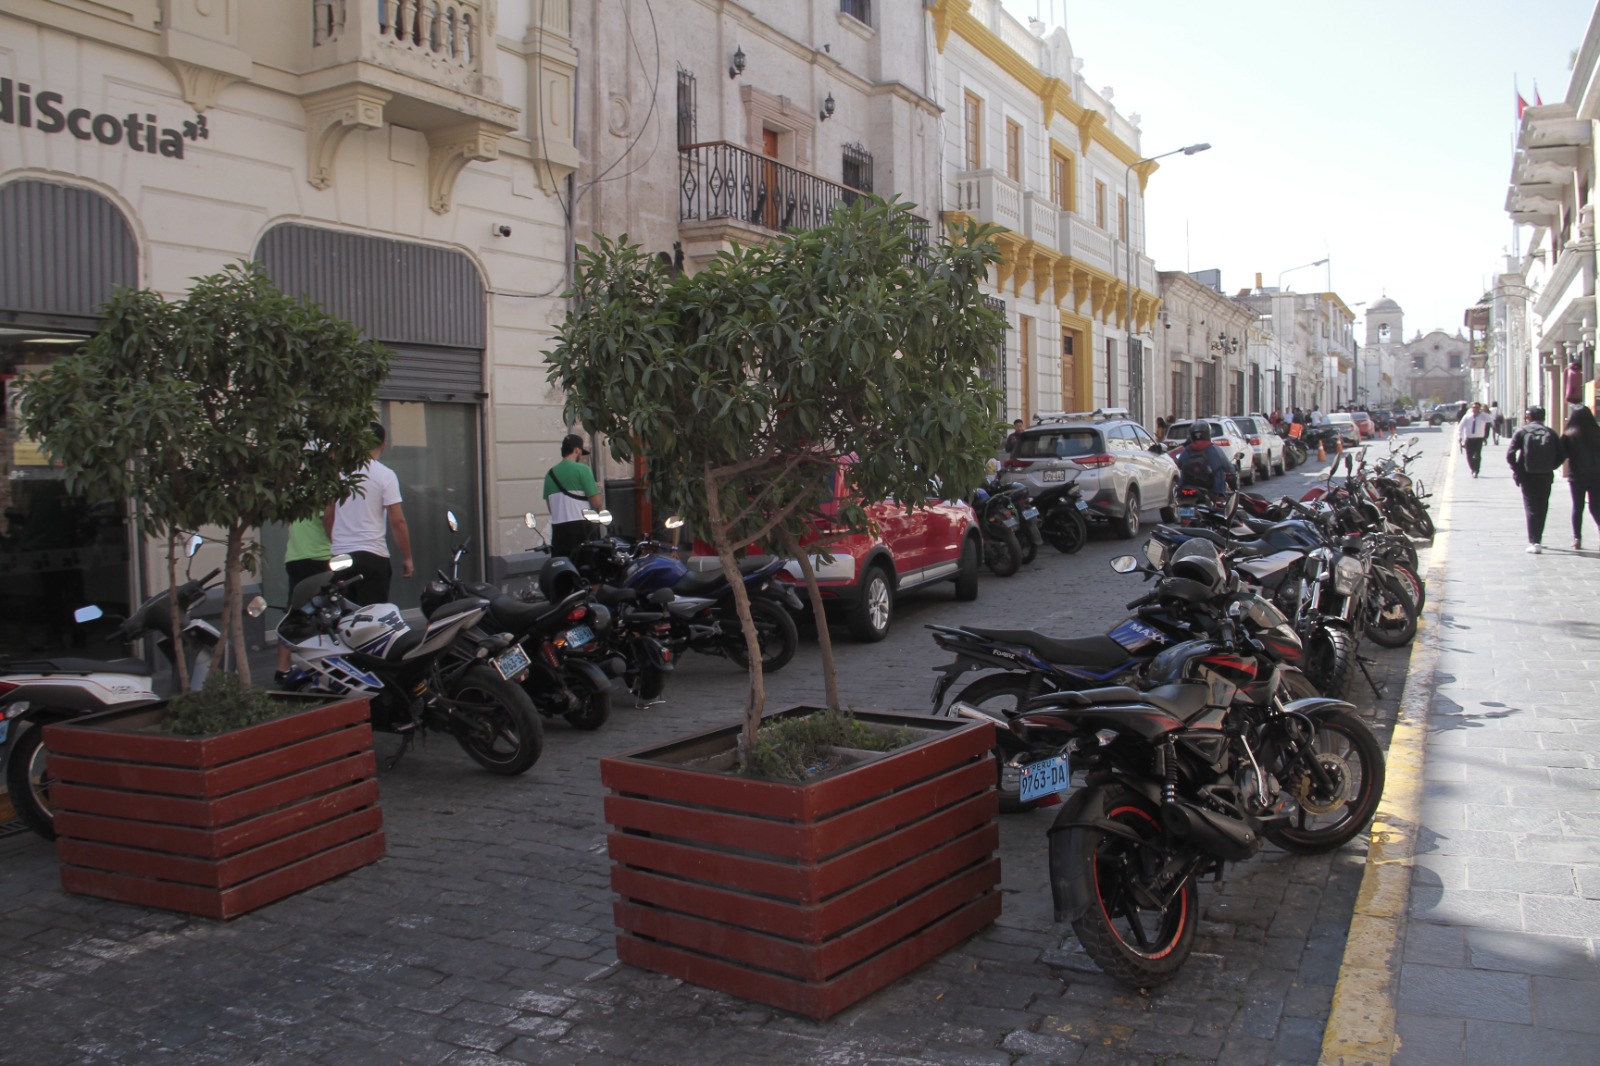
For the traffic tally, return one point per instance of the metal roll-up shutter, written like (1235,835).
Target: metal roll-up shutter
(425,303)
(62,249)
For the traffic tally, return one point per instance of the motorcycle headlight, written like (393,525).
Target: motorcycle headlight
(1347,575)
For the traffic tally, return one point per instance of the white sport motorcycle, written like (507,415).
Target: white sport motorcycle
(343,649)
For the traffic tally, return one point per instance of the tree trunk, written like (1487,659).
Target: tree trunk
(232,609)
(830,678)
(756,700)
(180,661)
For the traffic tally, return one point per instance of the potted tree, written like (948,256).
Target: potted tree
(233,407)
(743,386)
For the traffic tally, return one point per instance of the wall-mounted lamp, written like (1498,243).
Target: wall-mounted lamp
(827,109)
(738,62)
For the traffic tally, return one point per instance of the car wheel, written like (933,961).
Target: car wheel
(1169,513)
(967,576)
(870,617)
(1128,524)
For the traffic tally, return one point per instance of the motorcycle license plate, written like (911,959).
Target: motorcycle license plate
(511,662)
(1055,475)
(1083,505)
(1010,521)
(1045,778)
(1186,512)
(1030,513)
(578,636)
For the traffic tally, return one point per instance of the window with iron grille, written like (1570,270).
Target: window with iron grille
(686,108)
(860,10)
(857,167)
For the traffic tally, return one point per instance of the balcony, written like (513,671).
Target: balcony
(728,194)
(427,65)
(990,197)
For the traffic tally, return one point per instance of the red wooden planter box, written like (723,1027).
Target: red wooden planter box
(215,825)
(806,896)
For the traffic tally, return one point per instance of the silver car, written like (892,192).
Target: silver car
(1121,470)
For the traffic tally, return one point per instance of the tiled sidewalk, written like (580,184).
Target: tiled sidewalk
(1498,963)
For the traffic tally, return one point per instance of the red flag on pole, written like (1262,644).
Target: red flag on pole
(1522,105)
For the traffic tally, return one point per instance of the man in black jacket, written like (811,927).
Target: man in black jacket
(1534,455)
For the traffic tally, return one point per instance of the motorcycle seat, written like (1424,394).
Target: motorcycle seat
(1182,700)
(1095,653)
(135,667)
(700,585)
(513,615)
(610,595)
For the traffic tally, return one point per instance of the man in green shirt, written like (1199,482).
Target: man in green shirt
(306,554)
(570,488)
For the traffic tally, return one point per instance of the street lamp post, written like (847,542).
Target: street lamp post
(1127,251)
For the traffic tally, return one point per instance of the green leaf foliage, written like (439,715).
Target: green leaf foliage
(799,746)
(222,704)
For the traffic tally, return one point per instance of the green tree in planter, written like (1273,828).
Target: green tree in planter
(744,385)
(233,407)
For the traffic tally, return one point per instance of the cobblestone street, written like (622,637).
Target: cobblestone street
(486,935)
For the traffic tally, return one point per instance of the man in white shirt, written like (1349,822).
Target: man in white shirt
(357,528)
(1474,428)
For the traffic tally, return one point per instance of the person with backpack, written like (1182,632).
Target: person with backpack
(1534,455)
(1202,465)
(570,488)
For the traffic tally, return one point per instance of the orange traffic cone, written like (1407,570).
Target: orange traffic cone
(1322,453)
(1338,446)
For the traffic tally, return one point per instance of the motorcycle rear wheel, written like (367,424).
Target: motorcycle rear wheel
(512,737)
(776,635)
(1001,553)
(592,707)
(28,783)
(1391,614)
(1329,817)
(1136,944)
(1030,550)
(1066,530)
(650,683)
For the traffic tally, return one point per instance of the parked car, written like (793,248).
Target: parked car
(1120,468)
(1225,434)
(1447,412)
(911,549)
(1366,424)
(1264,442)
(1345,425)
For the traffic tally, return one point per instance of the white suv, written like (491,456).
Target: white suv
(1266,443)
(1225,434)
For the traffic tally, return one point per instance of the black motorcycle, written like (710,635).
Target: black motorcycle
(998,524)
(1063,518)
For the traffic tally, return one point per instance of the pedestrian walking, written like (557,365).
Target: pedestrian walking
(569,488)
(306,554)
(1471,432)
(1497,421)
(1580,443)
(360,527)
(1534,455)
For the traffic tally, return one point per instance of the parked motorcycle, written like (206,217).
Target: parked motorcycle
(342,649)
(999,523)
(566,675)
(1062,521)
(701,614)
(1197,771)
(37,692)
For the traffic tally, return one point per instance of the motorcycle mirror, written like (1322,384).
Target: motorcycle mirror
(527,519)
(673,522)
(1124,564)
(450,520)
(256,607)
(1158,448)
(194,545)
(87,614)
(340,562)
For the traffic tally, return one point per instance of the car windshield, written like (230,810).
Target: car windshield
(1340,416)
(1247,425)
(1058,444)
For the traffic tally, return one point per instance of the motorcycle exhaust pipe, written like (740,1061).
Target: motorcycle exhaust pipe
(1213,833)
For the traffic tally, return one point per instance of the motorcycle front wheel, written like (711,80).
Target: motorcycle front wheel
(1391,614)
(498,726)
(1140,927)
(776,634)
(28,783)
(1330,661)
(1001,552)
(1332,806)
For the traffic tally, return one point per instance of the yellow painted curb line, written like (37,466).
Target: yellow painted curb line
(1360,1030)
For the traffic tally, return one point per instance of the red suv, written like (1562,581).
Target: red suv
(911,549)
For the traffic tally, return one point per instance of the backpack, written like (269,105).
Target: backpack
(1541,450)
(1195,470)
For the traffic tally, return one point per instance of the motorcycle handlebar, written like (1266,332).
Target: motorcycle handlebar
(1141,601)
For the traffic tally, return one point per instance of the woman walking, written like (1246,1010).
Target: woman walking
(1581,443)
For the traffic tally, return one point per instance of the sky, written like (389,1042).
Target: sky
(1378,135)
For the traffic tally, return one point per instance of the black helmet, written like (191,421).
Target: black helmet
(559,579)
(1198,560)
(1199,431)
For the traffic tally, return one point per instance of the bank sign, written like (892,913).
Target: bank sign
(48,112)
